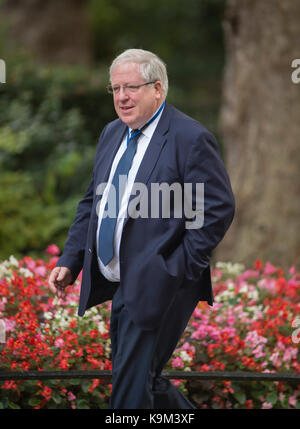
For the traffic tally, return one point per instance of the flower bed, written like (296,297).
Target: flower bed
(251,327)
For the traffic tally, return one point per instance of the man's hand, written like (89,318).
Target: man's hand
(59,279)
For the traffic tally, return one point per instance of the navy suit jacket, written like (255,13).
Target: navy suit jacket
(157,255)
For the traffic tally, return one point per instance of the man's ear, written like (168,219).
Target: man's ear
(158,87)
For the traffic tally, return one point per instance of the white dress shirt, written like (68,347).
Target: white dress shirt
(112,270)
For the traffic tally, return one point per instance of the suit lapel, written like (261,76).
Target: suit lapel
(152,153)
(104,163)
(154,148)
(109,152)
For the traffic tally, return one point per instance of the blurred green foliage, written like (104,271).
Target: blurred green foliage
(188,36)
(51,117)
(49,126)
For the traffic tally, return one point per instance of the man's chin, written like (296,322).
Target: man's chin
(129,121)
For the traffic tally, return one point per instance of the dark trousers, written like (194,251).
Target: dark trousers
(139,356)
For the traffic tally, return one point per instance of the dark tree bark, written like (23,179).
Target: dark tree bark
(261,131)
(53,31)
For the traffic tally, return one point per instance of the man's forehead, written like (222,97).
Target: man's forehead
(126,70)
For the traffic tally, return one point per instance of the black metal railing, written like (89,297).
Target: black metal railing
(179,375)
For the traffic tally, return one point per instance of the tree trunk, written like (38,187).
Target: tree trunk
(260,124)
(54,31)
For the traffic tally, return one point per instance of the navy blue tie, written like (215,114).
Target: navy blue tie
(108,223)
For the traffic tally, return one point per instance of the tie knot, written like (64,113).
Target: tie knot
(134,135)
(133,132)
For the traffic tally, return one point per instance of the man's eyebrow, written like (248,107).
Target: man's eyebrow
(126,83)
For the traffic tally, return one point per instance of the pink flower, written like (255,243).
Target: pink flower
(30,263)
(59,342)
(269,284)
(253,339)
(247,274)
(289,354)
(258,352)
(269,269)
(275,359)
(266,405)
(9,325)
(292,401)
(187,346)
(3,301)
(177,382)
(200,332)
(177,362)
(70,396)
(53,250)
(40,271)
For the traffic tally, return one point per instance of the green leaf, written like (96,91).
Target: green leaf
(53,383)
(240,397)
(272,397)
(33,402)
(82,404)
(74,382)
(56,398)
(4,403)
(257,394)
(14,406)
(85,385)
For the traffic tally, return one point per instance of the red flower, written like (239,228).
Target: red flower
(46,393)
(94,385)
(94,333)
(25,366)
(63,364)
(13,365)
(258,265)
(31,334)
(9,384)
(249,404)
(72,324)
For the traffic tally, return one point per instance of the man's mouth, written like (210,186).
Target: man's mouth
(126,108)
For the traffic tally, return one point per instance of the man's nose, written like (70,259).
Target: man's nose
(123,94)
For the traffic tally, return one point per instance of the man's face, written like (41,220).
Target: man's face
(134,108)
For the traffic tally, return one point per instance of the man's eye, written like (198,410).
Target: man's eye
(133,88)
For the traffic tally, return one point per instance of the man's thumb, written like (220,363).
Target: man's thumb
(61,275)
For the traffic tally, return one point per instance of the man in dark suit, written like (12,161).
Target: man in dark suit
(155,267)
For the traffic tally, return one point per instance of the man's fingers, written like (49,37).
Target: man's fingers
(59,279)
(61,275)
(53,277)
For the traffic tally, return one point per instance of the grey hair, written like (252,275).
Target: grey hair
(151,66)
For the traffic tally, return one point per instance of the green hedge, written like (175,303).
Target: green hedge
(50,120)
